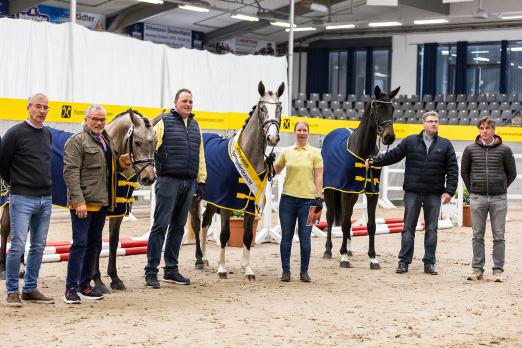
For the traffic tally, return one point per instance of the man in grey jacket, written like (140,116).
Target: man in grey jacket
(488,168)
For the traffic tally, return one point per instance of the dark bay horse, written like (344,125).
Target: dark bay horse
(260,130)
(131,133)
(377,122)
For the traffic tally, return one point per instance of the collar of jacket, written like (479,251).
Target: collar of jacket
(175,114)
(498,141)
(104,134)
(420,136)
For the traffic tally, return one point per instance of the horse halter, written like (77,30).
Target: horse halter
(135,162)
(269,123)
(384,124)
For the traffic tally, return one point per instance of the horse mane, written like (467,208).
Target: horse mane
(145,119)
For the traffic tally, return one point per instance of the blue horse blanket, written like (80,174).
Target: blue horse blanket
(124,189)
(225,188)
(343,170)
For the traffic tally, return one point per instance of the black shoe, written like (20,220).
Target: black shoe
(285,277)
(151,281)
(176,278)
(430,269)
(88,293)
(402,268)
(71,297)
(305,277)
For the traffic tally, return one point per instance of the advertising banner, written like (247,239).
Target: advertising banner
(51,14)
(243,45)
(170,36)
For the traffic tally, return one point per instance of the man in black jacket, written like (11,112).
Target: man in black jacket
(488,168)
(431,177)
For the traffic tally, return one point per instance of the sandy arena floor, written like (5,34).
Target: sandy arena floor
(340,307)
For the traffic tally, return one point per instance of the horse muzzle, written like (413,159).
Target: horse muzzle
(273,140)
(388,138)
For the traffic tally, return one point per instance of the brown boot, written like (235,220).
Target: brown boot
(13,300)
(37,297)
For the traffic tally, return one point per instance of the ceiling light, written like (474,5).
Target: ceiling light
(520,67)
(157,2)
(314,6)
(512,64)
(481,59)
(477,52)
(430,21)
(516,49)
(340,26)
(453,55)
(511,17)
(384,24)
(194,8)
(245,17)
(282,24)
(302,29)
(444,52)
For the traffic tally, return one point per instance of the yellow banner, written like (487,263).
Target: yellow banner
(16,109)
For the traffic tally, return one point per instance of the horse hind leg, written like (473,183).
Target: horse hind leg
(223,239)
(248,236)
(114,239)
(347,203)
(331,205)
(195,227)
(372,201)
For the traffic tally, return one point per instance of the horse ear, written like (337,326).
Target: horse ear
(377,92)
(135,119)
(158,118)
(281,89)
(261,88)
(394,92)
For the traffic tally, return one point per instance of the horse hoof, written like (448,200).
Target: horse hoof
(345,264)
(350,253)
(222,275)
(199,265)
(118,286)
(327,255)
(101,288)
(375,266)
(250,277)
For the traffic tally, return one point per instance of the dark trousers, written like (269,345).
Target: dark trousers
(292,209)
(86,246)
(173,200)
(412,206)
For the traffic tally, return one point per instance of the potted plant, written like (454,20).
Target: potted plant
(236,224)
(466,209)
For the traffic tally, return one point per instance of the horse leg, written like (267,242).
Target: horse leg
(329,199)
(4,233)
(99,286)
(195,226)
(114,239)
(348,201)
(207,221)
(248,235)
(372,201)
(223,238)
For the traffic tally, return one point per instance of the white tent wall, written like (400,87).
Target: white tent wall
(105,68)
(34,57)
(222,83)
(404,56)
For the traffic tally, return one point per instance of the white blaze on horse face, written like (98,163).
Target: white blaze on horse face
(272,132)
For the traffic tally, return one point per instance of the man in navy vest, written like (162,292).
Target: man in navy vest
(180,165)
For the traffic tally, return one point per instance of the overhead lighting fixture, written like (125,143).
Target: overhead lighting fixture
(194,8)
(477,52)
(511,17)
(314,6)
(245,17)
(156,2)
(481,59)
(282,24)
(430,21)
(512,64)
(520,67)
(340,26)
(384,24)
(516,49)
(301,29)
(444,52)
(453,55)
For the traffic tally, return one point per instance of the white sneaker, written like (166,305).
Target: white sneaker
(477,274)
(497,275)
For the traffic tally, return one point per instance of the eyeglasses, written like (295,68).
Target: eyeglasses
(432,121)
(97,120)
(41,107)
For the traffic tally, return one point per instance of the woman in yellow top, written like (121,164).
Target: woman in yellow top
(302,189)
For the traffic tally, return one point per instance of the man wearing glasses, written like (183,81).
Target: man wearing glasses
(25,163)
(430,178)
(89,172)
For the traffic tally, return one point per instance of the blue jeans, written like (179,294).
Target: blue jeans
(27,213)
(173,200)
(496,206)
(412,206)
(292,209)
(86,246)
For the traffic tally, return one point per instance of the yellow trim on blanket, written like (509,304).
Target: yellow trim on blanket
(243,209)
(127,183)
(124,200)
(243,196)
